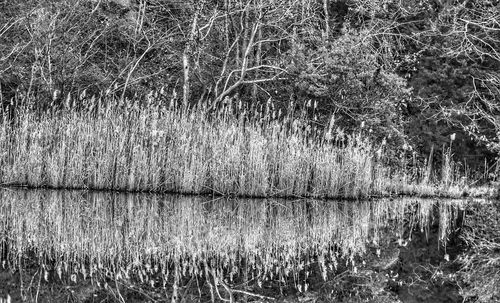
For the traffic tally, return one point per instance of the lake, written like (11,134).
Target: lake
(166,240)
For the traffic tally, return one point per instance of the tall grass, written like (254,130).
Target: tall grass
(165,149)
(126,146)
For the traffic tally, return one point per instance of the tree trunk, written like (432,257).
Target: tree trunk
(188,52)
(258,55)
(326,34)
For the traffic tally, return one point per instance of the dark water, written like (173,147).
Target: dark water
(103,229)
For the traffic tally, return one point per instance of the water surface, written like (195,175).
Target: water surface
(101,230)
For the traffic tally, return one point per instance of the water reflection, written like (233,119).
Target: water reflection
(110,228)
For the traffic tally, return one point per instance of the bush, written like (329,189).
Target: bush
(346,77)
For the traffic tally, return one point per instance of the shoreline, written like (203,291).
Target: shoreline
(475,193)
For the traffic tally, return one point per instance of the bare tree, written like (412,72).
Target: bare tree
(258,26)
(189,48)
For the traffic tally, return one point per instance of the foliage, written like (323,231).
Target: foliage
(448,52)
(345,78)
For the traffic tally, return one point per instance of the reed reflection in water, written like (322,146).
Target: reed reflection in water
(100,230)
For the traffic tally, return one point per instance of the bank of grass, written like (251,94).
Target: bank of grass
(158,148)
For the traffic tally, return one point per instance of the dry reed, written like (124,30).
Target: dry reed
(127,146)
(165,149)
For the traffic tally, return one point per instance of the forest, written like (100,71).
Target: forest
(415,75)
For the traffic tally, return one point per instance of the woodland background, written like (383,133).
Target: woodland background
(416,75)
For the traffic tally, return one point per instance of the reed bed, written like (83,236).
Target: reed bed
(158,148)
(84,233)
(108,144)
